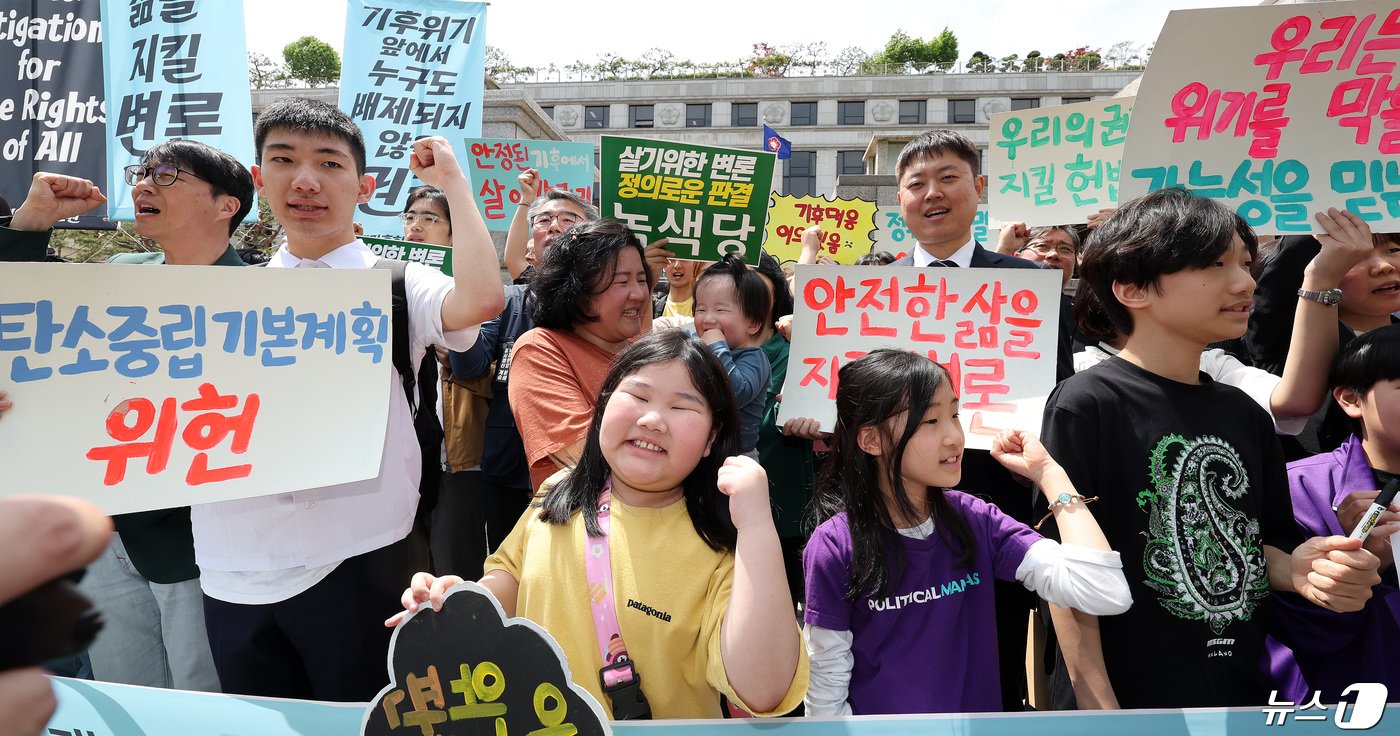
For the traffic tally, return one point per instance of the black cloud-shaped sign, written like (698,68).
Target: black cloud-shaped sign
(460,670)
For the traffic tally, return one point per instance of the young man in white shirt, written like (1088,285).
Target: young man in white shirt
(297,584)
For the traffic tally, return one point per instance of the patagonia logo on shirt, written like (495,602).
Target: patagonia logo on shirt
(648,610)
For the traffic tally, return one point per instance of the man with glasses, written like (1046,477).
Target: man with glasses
(538,219)
(1057,246)
(189,198)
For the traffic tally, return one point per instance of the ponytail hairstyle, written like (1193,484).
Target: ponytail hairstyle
(870,393)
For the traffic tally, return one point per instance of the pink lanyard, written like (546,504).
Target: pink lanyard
(617,667)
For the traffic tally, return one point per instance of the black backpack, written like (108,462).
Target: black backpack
(420,386)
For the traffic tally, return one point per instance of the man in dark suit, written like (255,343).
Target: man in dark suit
(939,189)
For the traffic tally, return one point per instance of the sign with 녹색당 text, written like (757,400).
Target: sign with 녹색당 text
(173,70)
(1056,165)
(493,165)
(995,330)
(1277,111)
(428,254)
(707,201)
(416,71)
(141,388)
(846,226)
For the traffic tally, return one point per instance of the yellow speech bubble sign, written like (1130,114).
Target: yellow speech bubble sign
(845,224)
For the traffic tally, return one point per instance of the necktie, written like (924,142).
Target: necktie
(942,264)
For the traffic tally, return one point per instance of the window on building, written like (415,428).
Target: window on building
(697,116)
(850,162)
(549,110)
(1072,100)
(800,174)
(962,111)
(1024,103)
(913,112)
(850,113)
(595,116)
(804,113)
(743,114)
(640,116)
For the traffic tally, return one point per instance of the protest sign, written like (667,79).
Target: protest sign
(416,70)
(493,165)
(428,254)
(893,234)
(173,70)
(1056,165)
(467,670)
(708,201)
(846,227)
(87,708)
(1277,111)
(142,388)
(994,330)
(51,114)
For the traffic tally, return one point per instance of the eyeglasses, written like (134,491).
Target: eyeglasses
(1046,249)
(567,219)
(413,218)
(163,175)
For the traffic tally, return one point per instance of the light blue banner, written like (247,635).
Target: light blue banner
(173,70)
(121,710)
(412,68)
(493,165)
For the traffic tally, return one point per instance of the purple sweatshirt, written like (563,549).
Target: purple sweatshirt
(1330,651)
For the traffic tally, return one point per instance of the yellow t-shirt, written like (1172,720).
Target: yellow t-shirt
(679,309)
(671,592)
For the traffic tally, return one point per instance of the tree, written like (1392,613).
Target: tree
(918,54)
(499,68)
(264,73)
(851,60)
(1083,59)
(1009,63)
(980,62)
(1034,62)
(312,61)
(767,61)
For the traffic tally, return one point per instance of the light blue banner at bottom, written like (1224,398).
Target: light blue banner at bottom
(102,709)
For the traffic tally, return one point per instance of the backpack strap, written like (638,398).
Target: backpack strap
(399,350)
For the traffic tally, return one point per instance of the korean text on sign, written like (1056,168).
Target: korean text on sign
(416,72)
(1298,110)
(707,201)
(169,66)
(846,225)
(994,330)
(188,384)
(1057,165)
(494,165)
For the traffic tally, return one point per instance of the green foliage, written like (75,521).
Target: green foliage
(312,61)
(918,54)
(499,68)
(264,73)
(980,62)
(767,61)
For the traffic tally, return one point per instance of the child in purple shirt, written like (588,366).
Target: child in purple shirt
(899,608)
(1328,651)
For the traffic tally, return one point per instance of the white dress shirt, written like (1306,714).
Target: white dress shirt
(962,256)
(268,549)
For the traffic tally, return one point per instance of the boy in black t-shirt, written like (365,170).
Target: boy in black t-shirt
(1189,473)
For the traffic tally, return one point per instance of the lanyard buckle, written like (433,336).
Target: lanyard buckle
(623,684)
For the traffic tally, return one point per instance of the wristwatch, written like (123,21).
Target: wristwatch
(1327,298)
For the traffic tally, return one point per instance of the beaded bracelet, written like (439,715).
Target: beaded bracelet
(1064,499)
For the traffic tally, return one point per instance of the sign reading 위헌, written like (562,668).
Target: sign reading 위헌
(994,330)
(846,226)
(707,201)
(493,165)
(139,387)
(1277,111)
(1056,165)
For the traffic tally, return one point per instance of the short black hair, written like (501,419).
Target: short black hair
(1369,359)
(1167,231)
(433,195)
(577,265)
(876,258)
(938,142)
(310,116)
(769,268)
(224,173)
(753,295)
